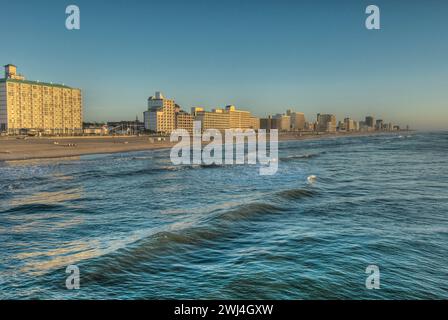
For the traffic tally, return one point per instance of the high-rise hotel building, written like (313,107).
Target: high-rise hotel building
(160,116)
(43,107)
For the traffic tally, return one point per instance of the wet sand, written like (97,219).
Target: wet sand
(12,148)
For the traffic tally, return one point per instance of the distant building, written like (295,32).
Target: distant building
(228,118)
(184,120)
(326,122)
(349,124)
(266,123)
(41,107)
(370,122)
(297,121)
(95,129)
(254,123)
(390,126)
(215,119)
(310,126)
(364,127)
(282,122)
(379,124)
(126,127)
(238,118)
(160,116)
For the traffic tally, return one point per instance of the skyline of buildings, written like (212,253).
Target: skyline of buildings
(164,115)
(56,109)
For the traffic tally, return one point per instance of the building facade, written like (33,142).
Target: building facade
(297,121)
(33,106)
(228,118)
(164,116)
(160,116)
(282,122)
(370,122)
(184,120)
(266,123)
(349,124)
(379,124)
(326,122)
(238,118)
(254,123)
(216,119)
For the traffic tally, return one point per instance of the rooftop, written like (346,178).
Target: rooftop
(37,83)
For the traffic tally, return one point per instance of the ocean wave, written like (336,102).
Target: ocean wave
(170,242)
(160,245)
(295,194)
(35,208)
(302,156)
(245,212)
(144,171)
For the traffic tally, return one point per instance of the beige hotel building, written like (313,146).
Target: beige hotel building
(160,116)
(38,106)
(164,116)
(228,118)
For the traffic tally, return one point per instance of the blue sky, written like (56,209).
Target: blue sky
(263,56)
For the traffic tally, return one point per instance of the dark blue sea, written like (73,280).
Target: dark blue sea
(139,227)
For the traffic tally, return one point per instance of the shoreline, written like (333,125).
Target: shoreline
(16,149)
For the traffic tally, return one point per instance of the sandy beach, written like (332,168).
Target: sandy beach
(14,148)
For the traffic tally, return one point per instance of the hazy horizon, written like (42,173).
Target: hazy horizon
(262,56)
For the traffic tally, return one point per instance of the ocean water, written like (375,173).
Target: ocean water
(140,228)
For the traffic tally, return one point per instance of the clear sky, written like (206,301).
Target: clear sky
(263,56)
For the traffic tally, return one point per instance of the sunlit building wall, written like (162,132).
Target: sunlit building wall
(42,107)
(297,121)
(326,122)
(160,116)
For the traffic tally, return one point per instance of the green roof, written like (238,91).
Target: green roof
(37,83)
